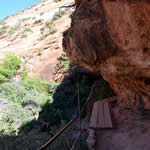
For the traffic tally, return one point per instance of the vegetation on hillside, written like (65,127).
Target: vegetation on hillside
(28,30)
(9,67)
(33,110)
(13,29)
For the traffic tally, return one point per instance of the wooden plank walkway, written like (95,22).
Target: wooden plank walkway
(101,116)
(100,119)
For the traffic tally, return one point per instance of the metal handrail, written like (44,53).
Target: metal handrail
(43,147)
(77,139)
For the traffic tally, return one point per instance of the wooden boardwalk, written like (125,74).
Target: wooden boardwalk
(100,119)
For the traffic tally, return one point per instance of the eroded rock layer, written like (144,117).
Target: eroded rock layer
(112,37)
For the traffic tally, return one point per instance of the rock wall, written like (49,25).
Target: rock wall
(112,37)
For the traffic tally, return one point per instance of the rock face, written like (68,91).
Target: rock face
(34,35)
(112,37)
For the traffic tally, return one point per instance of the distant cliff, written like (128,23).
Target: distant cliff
(35,34)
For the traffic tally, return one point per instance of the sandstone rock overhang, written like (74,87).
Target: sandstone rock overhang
(112,37)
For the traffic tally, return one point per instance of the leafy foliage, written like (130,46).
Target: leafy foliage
(65,63)
(27,30)
(42,13)
(2,31)
(4,27)
(11,62)
(35,83)
(34,110)
(26,19)
(3,78)
(41,38)
(22,100)
(9,67)
(24,73)
(12,30)
(58,15)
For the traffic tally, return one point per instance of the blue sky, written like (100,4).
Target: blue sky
(10,7)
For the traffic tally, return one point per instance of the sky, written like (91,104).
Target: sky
(10,7)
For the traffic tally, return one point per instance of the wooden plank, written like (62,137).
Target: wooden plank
(107,116)
(93,122)
(101,116)
(100,119)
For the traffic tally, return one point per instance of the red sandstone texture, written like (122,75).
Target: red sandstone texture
(112,37)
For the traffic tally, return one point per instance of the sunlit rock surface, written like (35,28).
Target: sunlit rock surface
(112,37)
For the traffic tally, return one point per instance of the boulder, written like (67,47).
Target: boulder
(112,37)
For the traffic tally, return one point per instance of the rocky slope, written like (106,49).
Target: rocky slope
(35,34)
(112,37)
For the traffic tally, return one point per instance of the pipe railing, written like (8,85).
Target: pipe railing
(45,146)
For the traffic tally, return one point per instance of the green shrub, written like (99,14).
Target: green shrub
(13,30)
(24,73)
(42,13)
(3,78)
(48,25)
(27,30)
(11,62)
(35,83)
(2,22)
(18,93)
(65,63)
(6,125)
(22,102)
(4,27)
(6,72)
(24,36)
(26,19)
(3,31)
(9,67)
(41,38)
(58,15)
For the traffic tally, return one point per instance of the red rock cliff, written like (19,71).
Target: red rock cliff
(112,37)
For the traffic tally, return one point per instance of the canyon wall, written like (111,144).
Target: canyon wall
(112,37)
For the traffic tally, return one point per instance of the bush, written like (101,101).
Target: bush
(4,27)
(2,31)
(11,62)
(58,15)
(42,13)
(9,67)
(41,38)
(13,30)
(24,73)
(26,19)
(27,30)
(20,102)
(3,78)
(6,72)
(48,25)
(35,83)
(65,63)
